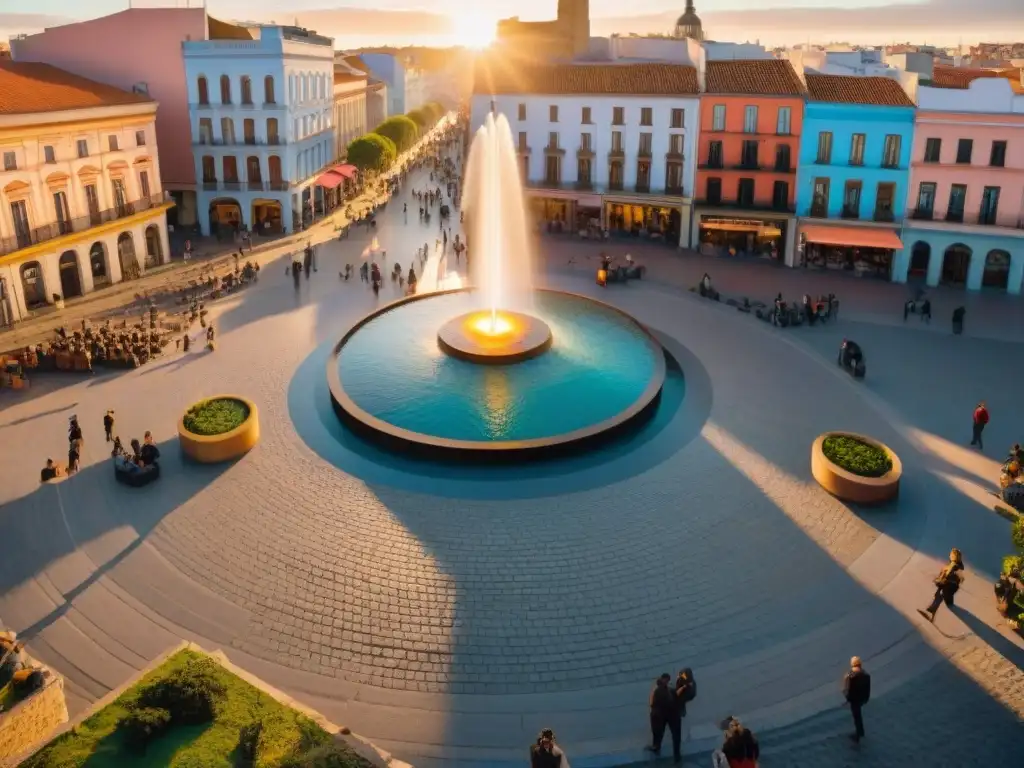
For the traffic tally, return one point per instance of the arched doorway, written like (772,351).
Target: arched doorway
(32,285)
(997,270)
(266,217)
(127,258)
(98,265)
(70,277)
(154,250)
(920,256)
(225,217)
(956,263)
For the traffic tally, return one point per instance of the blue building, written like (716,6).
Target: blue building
(853,173)
(401,84)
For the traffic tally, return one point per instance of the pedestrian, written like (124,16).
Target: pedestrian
(685,691)
(545,753)
(857,692)
(739,747)
(947,583)
(662,706)
(978,422)
(958,320)
(108,425)
(74,451)
(74,431)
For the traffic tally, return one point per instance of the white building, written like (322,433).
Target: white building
(350,92)
(615,143)
(262,126)
(81,202)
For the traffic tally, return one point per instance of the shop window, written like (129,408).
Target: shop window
(997,270)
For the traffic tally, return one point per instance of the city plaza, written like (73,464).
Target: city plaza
(448,612)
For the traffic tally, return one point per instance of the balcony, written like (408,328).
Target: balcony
(40,235)
(249,141)
(554,149)
(747,167)
(738,206)
(644,153)
(884,215)
(980,219)
(673,156)
(585,153)
(617,154)
(850,212)
(782,168)
(712,165)
(819,212)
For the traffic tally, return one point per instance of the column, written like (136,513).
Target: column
(934,265)
(900,265)
(51,274)
(1013,283)
(165,243)
(789,255)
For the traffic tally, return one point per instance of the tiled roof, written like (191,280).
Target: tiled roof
(498,77)
(347,77)
(356,62)
(757,77)
(848,89)
(959,77)
(29,88)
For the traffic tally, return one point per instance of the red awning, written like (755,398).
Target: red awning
(348,171)
(330,179)
(859,237)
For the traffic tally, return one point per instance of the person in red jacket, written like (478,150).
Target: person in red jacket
(980,420)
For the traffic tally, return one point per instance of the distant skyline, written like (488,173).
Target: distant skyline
(437,22)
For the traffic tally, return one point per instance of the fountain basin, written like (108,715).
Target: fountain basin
(503,337)
(392,383)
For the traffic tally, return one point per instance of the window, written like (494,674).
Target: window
(120,196)
(675,143)
(553,140)
(989,205)
(246,90)
(750,119)
(274,169)
(646,140)
(83,147)
(957,199)
(585,116)
(553,170)
(997,158)
(745,192)
(204,91)
(112,142)
(643,176)
(615,174)
(885,195)
(819,202)
(964,149)
(618,116)
(824,148)
(92,200)
(714,191)
(678,118)
(10,161)
(780,195)
(784,125)
(715,154)
(227,130)
(205,130)
(144,184)
(22,228)
(272,130)
(209,170)
(932,150)
(585,143)
(60,207)
(616,141)
(225,89)
(522,112)
(674,178)
(851,200)
(553,113)
(252,170)
(583,171)
(718,117)
(48,155)
(891,151)
(646,116)
(925,200)
(748,155)
(230,169)
(249,130)
(857,149)
(268,90)
(140,138)
(522,141)
(783,161)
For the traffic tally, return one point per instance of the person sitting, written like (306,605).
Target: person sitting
(149,452)
(49,472)
(124,463)
(705,285)
(850,354)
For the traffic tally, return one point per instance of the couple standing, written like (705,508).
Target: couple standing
(668,708)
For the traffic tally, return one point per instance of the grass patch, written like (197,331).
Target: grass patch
(856,456)
(8,697)
(216,417)
(285,735)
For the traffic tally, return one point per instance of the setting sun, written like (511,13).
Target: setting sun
(473,29)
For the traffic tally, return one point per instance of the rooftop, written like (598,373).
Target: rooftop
(347,77)
(29,88)
(756,77)
(626,79)
(222,30)
(848,89)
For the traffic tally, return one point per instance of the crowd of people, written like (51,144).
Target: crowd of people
(142,456)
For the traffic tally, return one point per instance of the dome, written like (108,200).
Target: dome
(688,25)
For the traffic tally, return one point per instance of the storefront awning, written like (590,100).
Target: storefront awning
(764,229)
(857,237)
(346,170)
(330,180)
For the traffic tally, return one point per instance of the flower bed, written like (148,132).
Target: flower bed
(856,468)
(219,429)
(857,456)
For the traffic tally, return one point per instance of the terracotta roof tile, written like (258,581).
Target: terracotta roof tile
(960,77)
(30,88)
(356,62)
(497,77)
(757,77)
(348,77)
(849,89)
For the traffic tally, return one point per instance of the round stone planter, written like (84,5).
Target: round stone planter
(213,449)
(848,486)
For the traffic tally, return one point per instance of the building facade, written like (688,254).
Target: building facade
(966,224)
(566,37)
(404,90)
(262,126)
(82,205)
(601,146)
(751,119)
(350,110)
(854,173)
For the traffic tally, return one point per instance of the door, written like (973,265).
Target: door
(955,264)
(920,255)
(70,279)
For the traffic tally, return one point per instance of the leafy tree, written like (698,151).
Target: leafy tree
(372,152)
(436,110)
(423,117)
(401,130)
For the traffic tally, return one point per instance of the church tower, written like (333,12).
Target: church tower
(688,25)
(574,18)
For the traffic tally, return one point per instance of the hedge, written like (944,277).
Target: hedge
(372,152)
(856,456)
(401,130)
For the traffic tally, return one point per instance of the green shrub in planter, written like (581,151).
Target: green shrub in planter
(191,694)
(216,417)
(856,456)
(143,725)
(327,756)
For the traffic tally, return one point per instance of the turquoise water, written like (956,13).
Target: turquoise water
(598,365)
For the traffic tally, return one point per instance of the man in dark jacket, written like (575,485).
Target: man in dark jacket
(857,691)
(684,690)
(663,707)
(545,753)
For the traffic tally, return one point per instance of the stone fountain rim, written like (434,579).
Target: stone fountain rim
(430,446)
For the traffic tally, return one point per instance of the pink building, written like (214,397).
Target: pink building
(140,49)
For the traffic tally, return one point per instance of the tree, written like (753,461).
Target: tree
(401,130)
(423,118)
(372,152)
(436,110)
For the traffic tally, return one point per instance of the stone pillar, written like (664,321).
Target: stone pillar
(900,265)
(935,266)
(85,268)
(1013,282)
(789,254)
(975,271)
(51,275)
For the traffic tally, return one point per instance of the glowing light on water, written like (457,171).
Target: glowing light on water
(493,324)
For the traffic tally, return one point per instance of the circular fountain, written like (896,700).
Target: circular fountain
(500,369)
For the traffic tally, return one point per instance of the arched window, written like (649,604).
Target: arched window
(204,91)
(225,89)
(268,90)
(246,90)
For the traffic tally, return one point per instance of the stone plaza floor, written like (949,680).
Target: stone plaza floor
(448,613)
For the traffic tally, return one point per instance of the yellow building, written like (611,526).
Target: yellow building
(565,37)
(81,202)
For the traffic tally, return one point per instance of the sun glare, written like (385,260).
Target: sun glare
(473,29)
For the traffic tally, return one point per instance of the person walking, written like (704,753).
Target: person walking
(662,705)
(685,691)
(947,583)
(108,425)
(857,692)
(979,420)
(545,753)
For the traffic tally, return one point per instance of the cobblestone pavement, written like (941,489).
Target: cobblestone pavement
(452,628)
